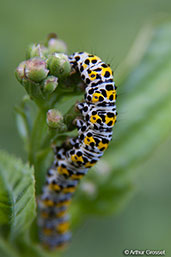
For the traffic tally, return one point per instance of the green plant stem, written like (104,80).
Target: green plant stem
(36,136)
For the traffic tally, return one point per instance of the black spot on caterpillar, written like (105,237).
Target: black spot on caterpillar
(94,134)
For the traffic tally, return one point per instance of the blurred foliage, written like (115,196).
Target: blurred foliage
(145,107)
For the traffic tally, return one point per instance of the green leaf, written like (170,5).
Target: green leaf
(17,195)
(25,114)
(144,104)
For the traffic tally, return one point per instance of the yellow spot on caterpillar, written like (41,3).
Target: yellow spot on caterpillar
(112,92)
(48,203)
(60,214)
(67,202)
(106,69)
(92,75)
(95,97)
(85,65)
(107,120)
(75,176)
(69,190)
(101,145)
(63,171)
(89,164)
(63,227)
(47,231)
(54,187)
(76,158)
(89,140)
(94,118)
(94,58)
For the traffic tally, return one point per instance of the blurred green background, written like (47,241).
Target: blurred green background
(107,28)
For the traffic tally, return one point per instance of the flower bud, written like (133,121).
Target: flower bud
(59,65)
(20,71)
(50,84)
(36,50)
(56,45)
(54,118)
(36,69)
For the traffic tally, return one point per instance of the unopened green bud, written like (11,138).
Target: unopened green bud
(56,45)
(50,84)
(20,71)
(35,69)
(54,118)
(36,50)
(59,65)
